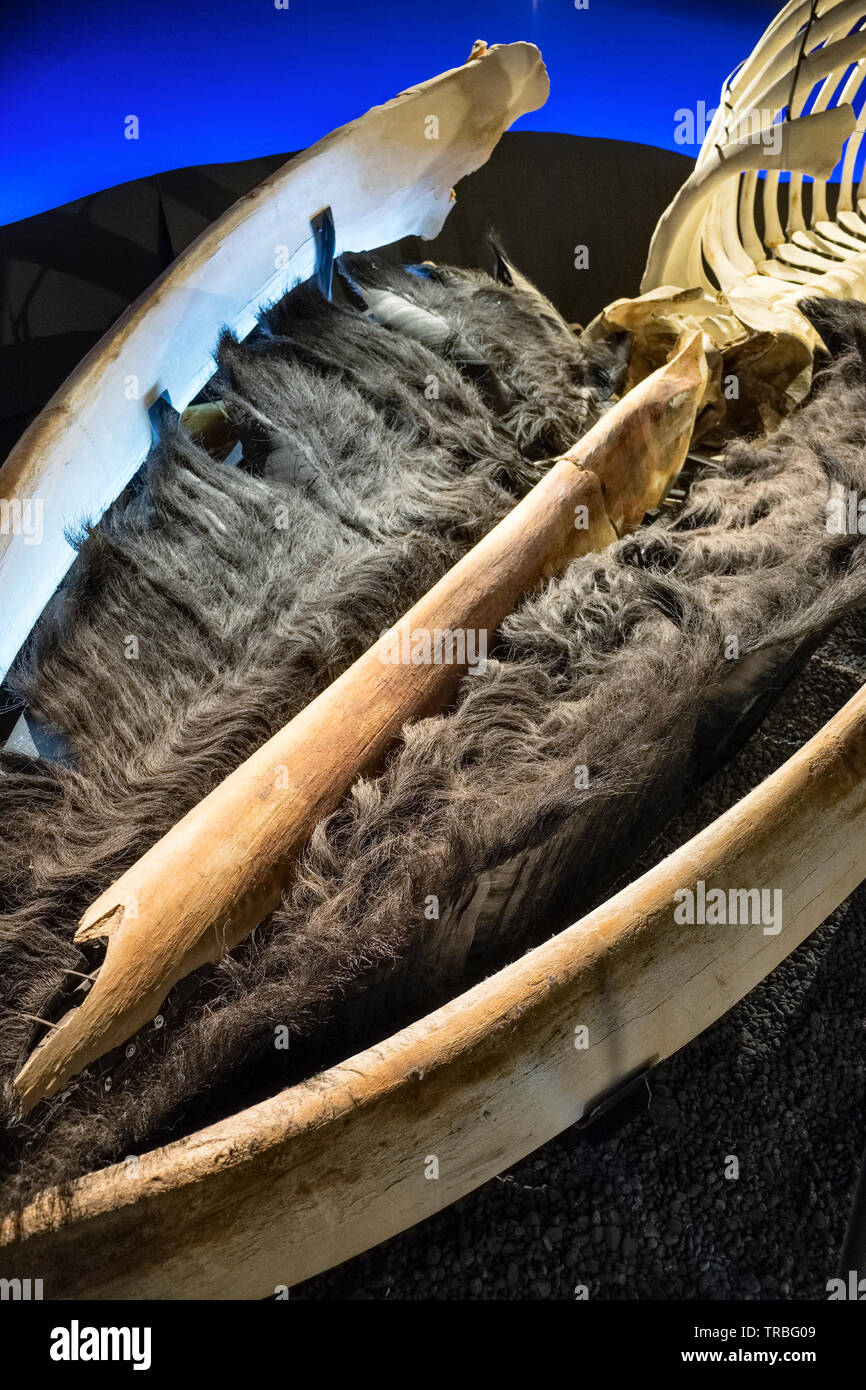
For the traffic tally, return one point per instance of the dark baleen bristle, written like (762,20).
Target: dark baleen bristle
(372,463)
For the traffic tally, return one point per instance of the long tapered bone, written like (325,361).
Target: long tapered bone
(207,883)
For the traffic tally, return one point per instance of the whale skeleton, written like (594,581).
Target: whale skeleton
(331,1166)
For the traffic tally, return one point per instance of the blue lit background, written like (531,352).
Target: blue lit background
(219,80)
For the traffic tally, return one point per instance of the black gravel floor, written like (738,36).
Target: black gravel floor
(779,1084)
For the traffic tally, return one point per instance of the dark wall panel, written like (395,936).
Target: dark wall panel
(66,275)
